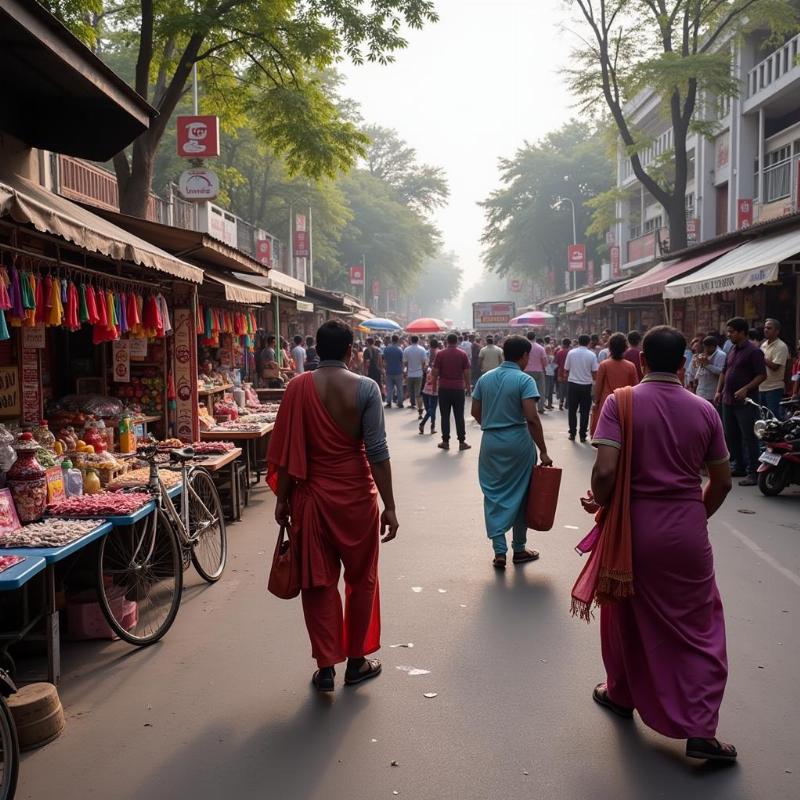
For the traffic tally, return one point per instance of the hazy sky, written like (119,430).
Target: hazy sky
(467,91)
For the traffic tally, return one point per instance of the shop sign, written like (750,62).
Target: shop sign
(121,360)
(198,136)
(301,244)
(185,379)
(613,256)
(611,238)
(376,288)
(33,338)
(302,305)
(576,258)
(357,276)
(492,315)
(300,222)
(744,213)
(31,386)
(198,184)
(514,285)
(692,230)
(138,347)
(264,251)
(9,392)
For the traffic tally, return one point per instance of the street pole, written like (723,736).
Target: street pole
(364,284)
(291,240)
(310,248)
(194,89)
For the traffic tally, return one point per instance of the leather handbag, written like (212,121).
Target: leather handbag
(284,576)
(543,497)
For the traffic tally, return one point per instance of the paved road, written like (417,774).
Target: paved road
(222,707)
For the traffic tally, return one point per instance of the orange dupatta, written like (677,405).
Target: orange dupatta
(608,574)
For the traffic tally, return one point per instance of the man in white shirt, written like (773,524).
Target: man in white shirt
(466,345)
(299,355)
(776,354)
(415,360)
(705,369)
(490,357)
(580,366)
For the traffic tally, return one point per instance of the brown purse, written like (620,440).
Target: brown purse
(284,577)
(543,497)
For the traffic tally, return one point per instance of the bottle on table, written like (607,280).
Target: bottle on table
(73,480)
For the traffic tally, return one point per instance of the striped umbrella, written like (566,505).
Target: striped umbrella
(531,319)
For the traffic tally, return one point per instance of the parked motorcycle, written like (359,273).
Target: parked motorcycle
(9,746)
(780,462)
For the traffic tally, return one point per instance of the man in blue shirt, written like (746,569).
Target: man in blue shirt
(393,363)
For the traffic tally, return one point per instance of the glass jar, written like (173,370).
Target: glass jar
(27,480)
(45,436)
(91,482)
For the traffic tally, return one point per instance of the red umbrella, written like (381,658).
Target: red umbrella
(426,325)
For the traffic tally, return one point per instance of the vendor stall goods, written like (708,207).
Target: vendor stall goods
(50,533)
(211,322)
(103,504)
(6,562)
(141,477)
(212,448)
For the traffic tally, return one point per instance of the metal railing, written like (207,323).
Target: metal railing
(778,181)
(78,180)
(773,67)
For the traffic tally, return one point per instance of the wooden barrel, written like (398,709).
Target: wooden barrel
(37,713)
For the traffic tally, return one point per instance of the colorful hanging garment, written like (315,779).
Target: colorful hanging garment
(17,310)
(72,321)
(200,320)
(63,292)
(5,299)
(56,313)
(91,306)
(29,298)
(165,314)
(83,307)
(132,312)
(48,295)
(4,334)
(102,309)
(41,311)
(122,313)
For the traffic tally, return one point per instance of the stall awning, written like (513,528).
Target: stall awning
(755,262)
(602,294)
(237,291)
(283,284)
(360,316)
(652,282)
(575,306)
(28,203)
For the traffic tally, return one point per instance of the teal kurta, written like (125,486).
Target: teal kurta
(507,450)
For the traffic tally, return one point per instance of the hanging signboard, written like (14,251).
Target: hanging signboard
(301,244)
(611,238)
(514,285)
(198,136)
(9,392)
(138,347)
(576,258)
(121,360)
(692,230)
(300,222)
(357,275)
(744,213)
(33,338)
(376,288)
(185,385)
(614,258)
(198,184)
(31,386)
(492,316)
(264,251)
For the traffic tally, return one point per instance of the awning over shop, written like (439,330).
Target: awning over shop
(28,203)
(302,305)
(652,282)
(602,294)
(360,316)
(284,285)
(575,306)
(755,262)
(196,246)
(237,291)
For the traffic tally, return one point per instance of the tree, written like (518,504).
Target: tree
(391,160)
(438,283)
(677,48)
(263,57)
(525,233)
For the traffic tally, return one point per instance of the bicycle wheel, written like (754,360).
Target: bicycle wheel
(9,752)
(206,527)
(140,579)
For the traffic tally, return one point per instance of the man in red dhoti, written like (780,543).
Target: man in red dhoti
(328,461)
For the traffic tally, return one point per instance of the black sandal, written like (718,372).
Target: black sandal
(710,751)
(525,556)
(323,683)
(600,696)
(499,562)
(374,668)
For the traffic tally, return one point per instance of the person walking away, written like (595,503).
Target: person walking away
(561,374)
(373,363)
(475,368)
(706,368)
(550,375)
(312,359)
(604,349)
(328,462)
(299,355)
(580,367)
(776,356)
(504,404)
(537,364)
(745,370)
(634,352)
(662,625)
(613,373)
(451,376)
(393,363)
(490,357)
(429,396)
(415,359)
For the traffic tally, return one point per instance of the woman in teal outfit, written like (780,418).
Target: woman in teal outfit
(504,403)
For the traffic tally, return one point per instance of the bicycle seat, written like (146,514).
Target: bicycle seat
(184,454)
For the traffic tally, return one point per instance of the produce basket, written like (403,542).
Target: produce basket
(109,474)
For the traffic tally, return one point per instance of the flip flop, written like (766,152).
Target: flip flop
(525,556)
(499,562)
(701,748)
(600,696)
(374,669)
(323,684)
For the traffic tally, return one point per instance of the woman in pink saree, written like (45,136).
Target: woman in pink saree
(664,646)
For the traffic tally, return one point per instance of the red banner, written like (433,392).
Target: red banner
(514,285)
(301,244)
(198,137)
(576,258)
(264,251)
(744,213)
(613,257)
(692,230)
(357,276)
(376,288)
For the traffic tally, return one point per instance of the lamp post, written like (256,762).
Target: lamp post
(558,205)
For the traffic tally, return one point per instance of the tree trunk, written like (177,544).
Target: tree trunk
(676,213)
(134,194)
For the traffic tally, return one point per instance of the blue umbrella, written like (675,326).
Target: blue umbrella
(380,324)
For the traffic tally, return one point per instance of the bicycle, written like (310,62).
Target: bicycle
(9,745)
(140,567)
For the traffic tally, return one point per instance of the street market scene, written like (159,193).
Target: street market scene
(400,398)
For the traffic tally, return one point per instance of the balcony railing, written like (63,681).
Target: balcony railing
(774,66)
(87,183)
(778,181)
(646,246)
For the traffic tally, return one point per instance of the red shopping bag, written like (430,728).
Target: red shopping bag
(543,497)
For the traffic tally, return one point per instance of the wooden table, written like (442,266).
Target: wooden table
(270,394)
(249,439)
(215,463)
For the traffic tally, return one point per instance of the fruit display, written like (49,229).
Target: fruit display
(103,504)
(141,477)
(144,393)
(50,533)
